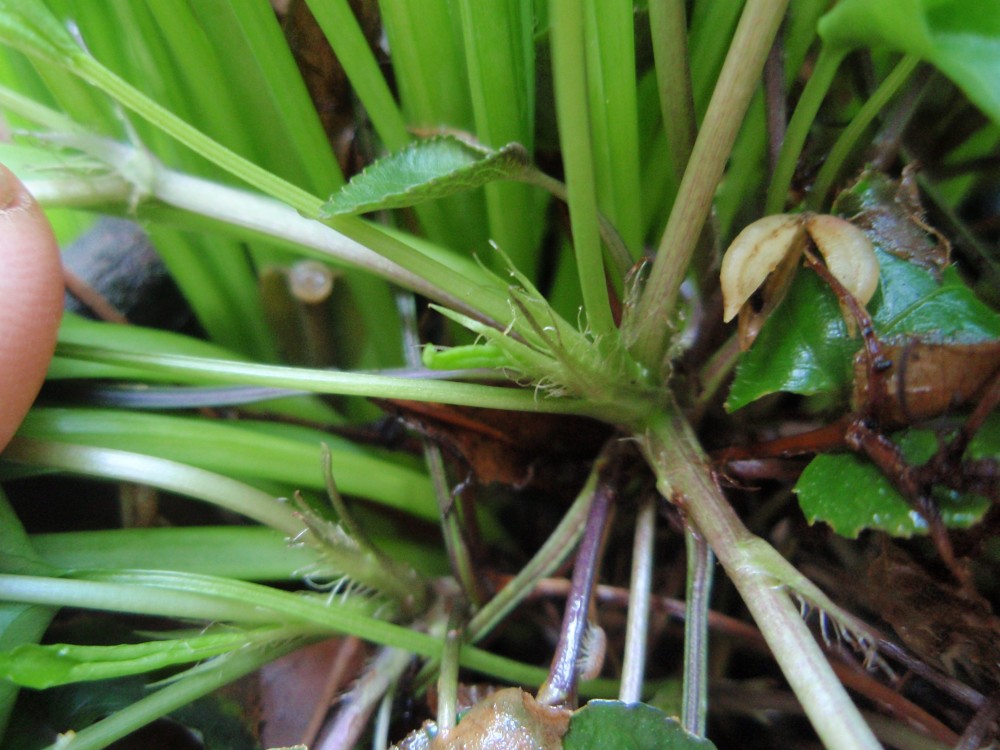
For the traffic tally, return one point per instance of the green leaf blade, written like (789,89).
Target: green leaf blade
(962,39)
(613,725)
(828,489)
(426,170)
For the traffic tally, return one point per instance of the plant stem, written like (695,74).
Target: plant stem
(556,549)
(123,92)
(350,240)
(561,683)
(798,127)
(208,370)
(450,518)
(499,54)
(761,576)
(253,216)
(847,141)
(168,594)
(545,562)
(451,526)
(714,374)
(618,252)
(637,629)
(699,586)
(118,597)
(356,706)
(448,679)
(242,552)
(668,24)
(737,82)
(774,101)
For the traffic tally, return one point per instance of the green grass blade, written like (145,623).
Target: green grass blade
(253,553)
(254,451)
(348,41)
(125,466)
(614,123)
(499,55)
(575,138)
(430,72)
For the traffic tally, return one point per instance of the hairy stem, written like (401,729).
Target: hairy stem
(762,577)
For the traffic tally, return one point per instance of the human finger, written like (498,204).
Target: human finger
(31,300)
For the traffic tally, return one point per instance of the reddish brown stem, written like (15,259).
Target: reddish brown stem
(560,687)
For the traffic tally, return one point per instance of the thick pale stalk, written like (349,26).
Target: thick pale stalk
(762,577)
(737,82)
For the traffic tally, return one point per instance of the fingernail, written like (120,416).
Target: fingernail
(8,187)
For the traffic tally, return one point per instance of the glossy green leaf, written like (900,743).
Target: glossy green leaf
(961,38)
(613,725)
(426,170)
(34,666)
(804,347)
(828,489)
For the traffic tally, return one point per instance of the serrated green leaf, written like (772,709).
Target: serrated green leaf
(613,725)
(34,666)
(426,170)
(961,38)
(804,348)
(851,495)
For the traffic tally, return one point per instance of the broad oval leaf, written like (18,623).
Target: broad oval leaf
(426,170)
(828,489)
(613,725)
(961,38)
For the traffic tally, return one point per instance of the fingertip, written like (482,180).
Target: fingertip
(10,187)
(31,300)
